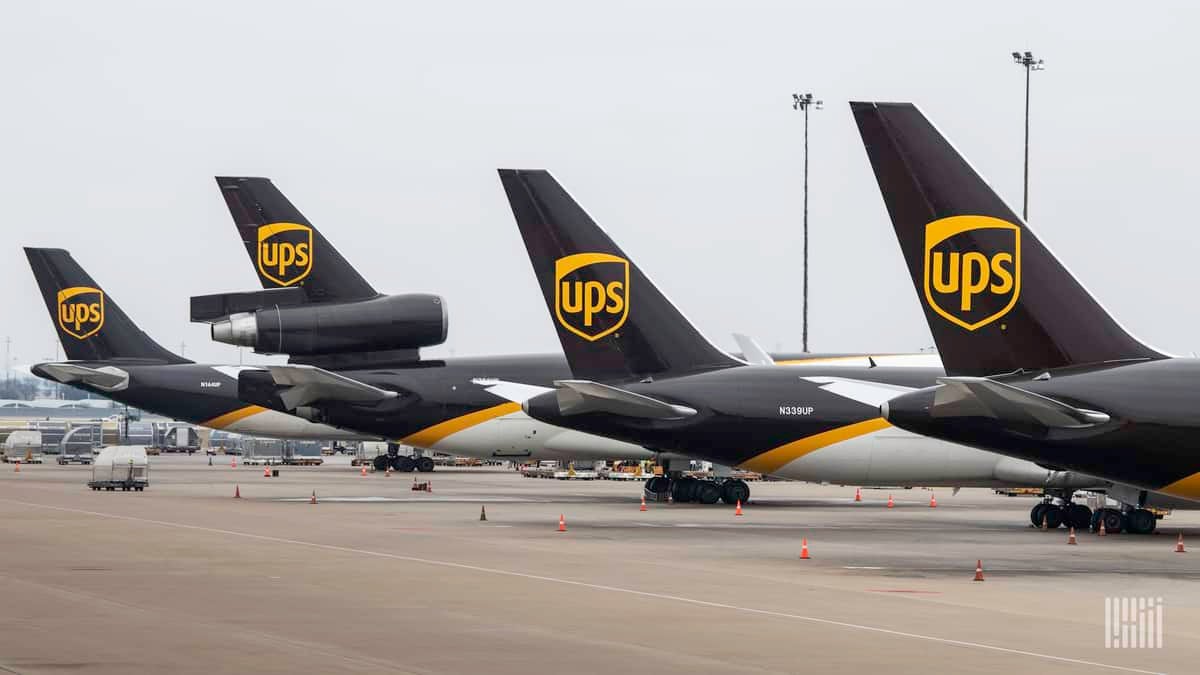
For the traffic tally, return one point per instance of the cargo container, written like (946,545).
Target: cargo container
(123,467)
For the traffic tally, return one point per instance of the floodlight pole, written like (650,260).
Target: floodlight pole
(803,102)
(1030,64)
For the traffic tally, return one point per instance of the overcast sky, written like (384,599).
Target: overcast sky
(670,122)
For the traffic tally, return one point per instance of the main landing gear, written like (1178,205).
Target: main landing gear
(402,463)
(1054,515)
(1057,512)
(702,491)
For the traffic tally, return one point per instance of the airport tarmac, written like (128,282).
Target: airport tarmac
(378,578)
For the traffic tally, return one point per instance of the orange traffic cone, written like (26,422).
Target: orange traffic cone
(266,472)
(891,502)
(314,498)
(17,469)
(978,570)
(388,472)
(237,491)
(738,510)
(932,501)
(562,523)
(643,503)
(1071,537)
(429,486)
(858,494)
(233,462)
(804,549)
(1179,544)
(1045,525)
(483,514)
(1103,532)
(364,470)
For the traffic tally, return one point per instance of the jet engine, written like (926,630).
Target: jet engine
(381,324)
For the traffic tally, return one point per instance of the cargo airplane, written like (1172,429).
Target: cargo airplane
(642,374)
(1035,367)
(809,439)
(110,356)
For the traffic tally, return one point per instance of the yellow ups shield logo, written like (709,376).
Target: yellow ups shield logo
(285,252)
(81,311)
(972,269)
(591,293)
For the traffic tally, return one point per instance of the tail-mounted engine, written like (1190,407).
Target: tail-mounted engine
(387,327)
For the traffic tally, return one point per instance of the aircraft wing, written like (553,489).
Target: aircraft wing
(576,397)
(752,352)
(1008,403)
(307,384)
(105,377)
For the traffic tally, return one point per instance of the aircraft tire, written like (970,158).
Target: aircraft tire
(1114,521)
(1053,516)
(1141,521)
(1035,514)
(683,490)
(657,485)
(403,464)
(707,492)
(424,464)
(1078,516)
(380,462)
(733,490)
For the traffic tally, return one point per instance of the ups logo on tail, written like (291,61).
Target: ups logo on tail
(81,311)
(285,252)
(591,293)
(972,269)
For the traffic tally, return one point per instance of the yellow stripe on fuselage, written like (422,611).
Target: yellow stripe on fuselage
(426,437)
(772,460)
(231,417)
(1188,488)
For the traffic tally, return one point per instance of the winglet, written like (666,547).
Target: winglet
(752,352)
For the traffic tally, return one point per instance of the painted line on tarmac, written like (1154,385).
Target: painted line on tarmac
(411,500)
(599,587)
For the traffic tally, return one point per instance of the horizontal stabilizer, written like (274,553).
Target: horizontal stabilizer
(309,384)
(863,391)
(962,396)
(106,377)
(752,352)
(517,392)
(211,308)
(576,397)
